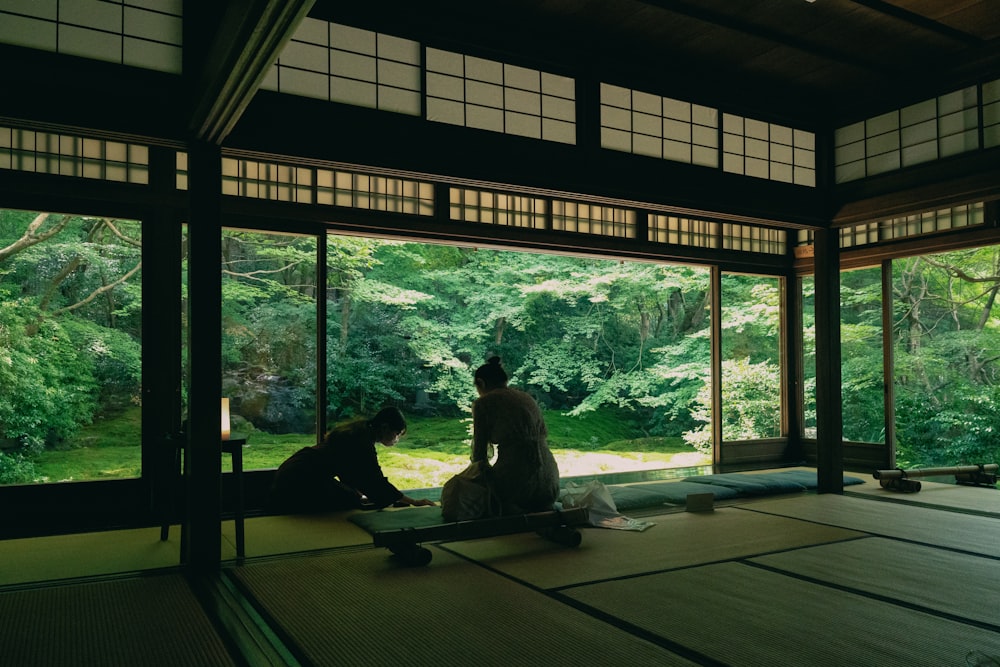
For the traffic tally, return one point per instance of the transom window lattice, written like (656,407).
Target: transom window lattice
(490,95)
(68,155)
(916,224)
(641,123)
(141,33)
(645,124)
(339,63)
(497,208)
(991,114)
(929,130)
(314,185)
(750,238)
(765,150)
(585,218)
(683,231)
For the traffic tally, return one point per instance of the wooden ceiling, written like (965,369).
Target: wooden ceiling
(828,61)
(814,65)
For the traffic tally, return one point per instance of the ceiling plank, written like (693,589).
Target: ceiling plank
(920,21)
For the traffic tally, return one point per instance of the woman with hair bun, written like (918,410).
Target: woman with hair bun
(525,476)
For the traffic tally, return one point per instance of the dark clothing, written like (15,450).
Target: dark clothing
(334,475)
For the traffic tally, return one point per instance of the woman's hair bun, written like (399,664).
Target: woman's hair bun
(492,373)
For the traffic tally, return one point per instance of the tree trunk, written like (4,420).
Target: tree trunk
(345,318)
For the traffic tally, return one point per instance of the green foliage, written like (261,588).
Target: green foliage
(963,433)
(69,322)
(48,384)
(947,373)
(408,323)
(750,404)
(862,395)
(750,317)
(116,360)
(269,329)
(16,469)
(361,381)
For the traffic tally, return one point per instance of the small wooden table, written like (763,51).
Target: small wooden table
(234,447)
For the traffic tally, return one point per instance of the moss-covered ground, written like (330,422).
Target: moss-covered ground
(433,449)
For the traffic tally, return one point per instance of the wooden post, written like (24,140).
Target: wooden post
(203,462)
(829,406)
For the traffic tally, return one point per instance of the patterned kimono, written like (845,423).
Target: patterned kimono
(525,476)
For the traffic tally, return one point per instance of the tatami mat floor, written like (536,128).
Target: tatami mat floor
(871,577)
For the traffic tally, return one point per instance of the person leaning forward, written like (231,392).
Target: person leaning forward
(525,476)
(342,472)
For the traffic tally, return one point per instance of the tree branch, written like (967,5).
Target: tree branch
(31,235)
(131,241)
(99,291)
(252,275)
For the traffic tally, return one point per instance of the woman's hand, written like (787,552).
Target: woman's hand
(407,501)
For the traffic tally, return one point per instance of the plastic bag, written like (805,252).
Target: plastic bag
(469,495)
(601,509)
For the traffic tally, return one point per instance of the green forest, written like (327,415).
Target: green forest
(616,352)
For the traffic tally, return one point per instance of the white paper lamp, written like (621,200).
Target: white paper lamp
(225,419)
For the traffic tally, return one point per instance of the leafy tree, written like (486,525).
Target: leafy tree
(269,340)
(577,333)
(69,324)
(747,404)
(947,368)
(862,379)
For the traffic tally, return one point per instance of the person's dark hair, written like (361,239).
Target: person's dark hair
(391,418)
(492,374)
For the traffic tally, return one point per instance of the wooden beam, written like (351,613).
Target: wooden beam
(227,54)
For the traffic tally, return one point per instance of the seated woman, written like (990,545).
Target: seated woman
(525,476)
(343,471)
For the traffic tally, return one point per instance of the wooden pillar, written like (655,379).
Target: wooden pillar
(888,367)
(715,292)
(321,324)
(203,460)
(791,363)
(161,336)
(829,407)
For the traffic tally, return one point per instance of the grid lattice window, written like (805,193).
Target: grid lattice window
(497,208)
(310,185)
(141,33)
(858,235)
(495,96)
(683,231)
(181,170)
(377,193)
(922,132)
(68,155)
(568,216)
(929,222)
(958,122)
(765,150)
(644,124)
(748,238)
(916,224)
(991,114)
(339,63)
